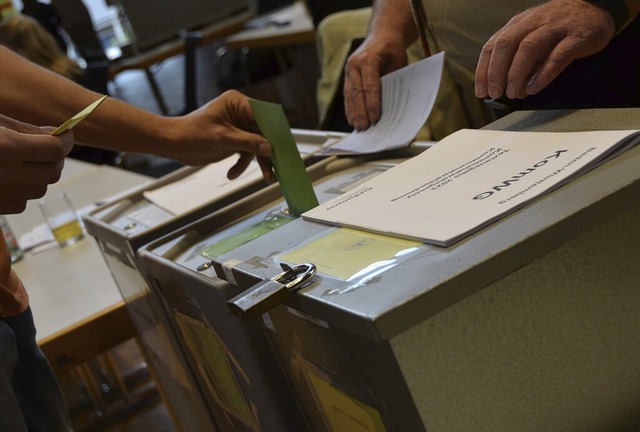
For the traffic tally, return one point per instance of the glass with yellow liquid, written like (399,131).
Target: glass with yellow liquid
(62,218)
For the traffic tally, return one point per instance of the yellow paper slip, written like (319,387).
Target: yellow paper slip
(69,124)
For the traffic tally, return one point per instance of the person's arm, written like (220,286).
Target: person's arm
(535,46)
(391,31)
(30,160)
(215,131)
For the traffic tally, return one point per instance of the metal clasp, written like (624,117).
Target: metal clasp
(269,293)
(296,277)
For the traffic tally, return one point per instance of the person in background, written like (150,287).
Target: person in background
(31,159)
(462,27)
(48,18)
(27,37)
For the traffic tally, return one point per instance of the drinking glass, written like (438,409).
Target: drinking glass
(62,218)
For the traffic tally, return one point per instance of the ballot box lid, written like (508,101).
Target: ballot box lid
(433,278)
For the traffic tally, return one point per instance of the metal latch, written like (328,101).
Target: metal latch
(266,295)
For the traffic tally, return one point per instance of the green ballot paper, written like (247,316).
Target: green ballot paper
(290,171)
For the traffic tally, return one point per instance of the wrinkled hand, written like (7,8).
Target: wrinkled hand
(374,58)
(223,127)
(30,160)
(535,46)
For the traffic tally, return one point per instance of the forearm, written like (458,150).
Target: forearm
(38,96)
(393,18)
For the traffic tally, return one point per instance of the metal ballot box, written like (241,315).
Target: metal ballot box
(530,324)
(240,375)
(129,222)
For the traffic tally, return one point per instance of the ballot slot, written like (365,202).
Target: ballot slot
(122,226)
(179,268)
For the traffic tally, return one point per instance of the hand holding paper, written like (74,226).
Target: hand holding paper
(408,96)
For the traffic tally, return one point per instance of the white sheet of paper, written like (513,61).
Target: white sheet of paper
(408,95)
(468,180)
(202,187)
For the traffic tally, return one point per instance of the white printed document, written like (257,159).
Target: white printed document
(469,180)
(203,186)
(407,99)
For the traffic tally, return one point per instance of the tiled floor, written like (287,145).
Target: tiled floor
(133,405)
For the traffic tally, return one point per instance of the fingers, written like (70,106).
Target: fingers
(12,207)
(234,107)
(557,61)
(362,102)
(240,141)
(267,170)
(240,166)
(241,126)
(30,173)
(20,183)
(243,162)
(521,69)
(533,51)
(362,96)
(535,47)
(32,158)
(482,70)
(354,103)
(36,147)
(255,144)
(22,193)
(29,163)
(371,90)
(496,59)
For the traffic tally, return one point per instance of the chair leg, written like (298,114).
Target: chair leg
(155,88)
(191,42)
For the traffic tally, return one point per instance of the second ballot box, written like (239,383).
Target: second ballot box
(149,212)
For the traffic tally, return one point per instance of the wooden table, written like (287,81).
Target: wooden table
(288,26)
(77,307)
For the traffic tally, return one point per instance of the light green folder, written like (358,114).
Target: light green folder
(290,171)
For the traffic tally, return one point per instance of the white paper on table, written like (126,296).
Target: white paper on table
(407,98)
(39,235)
(201,187)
